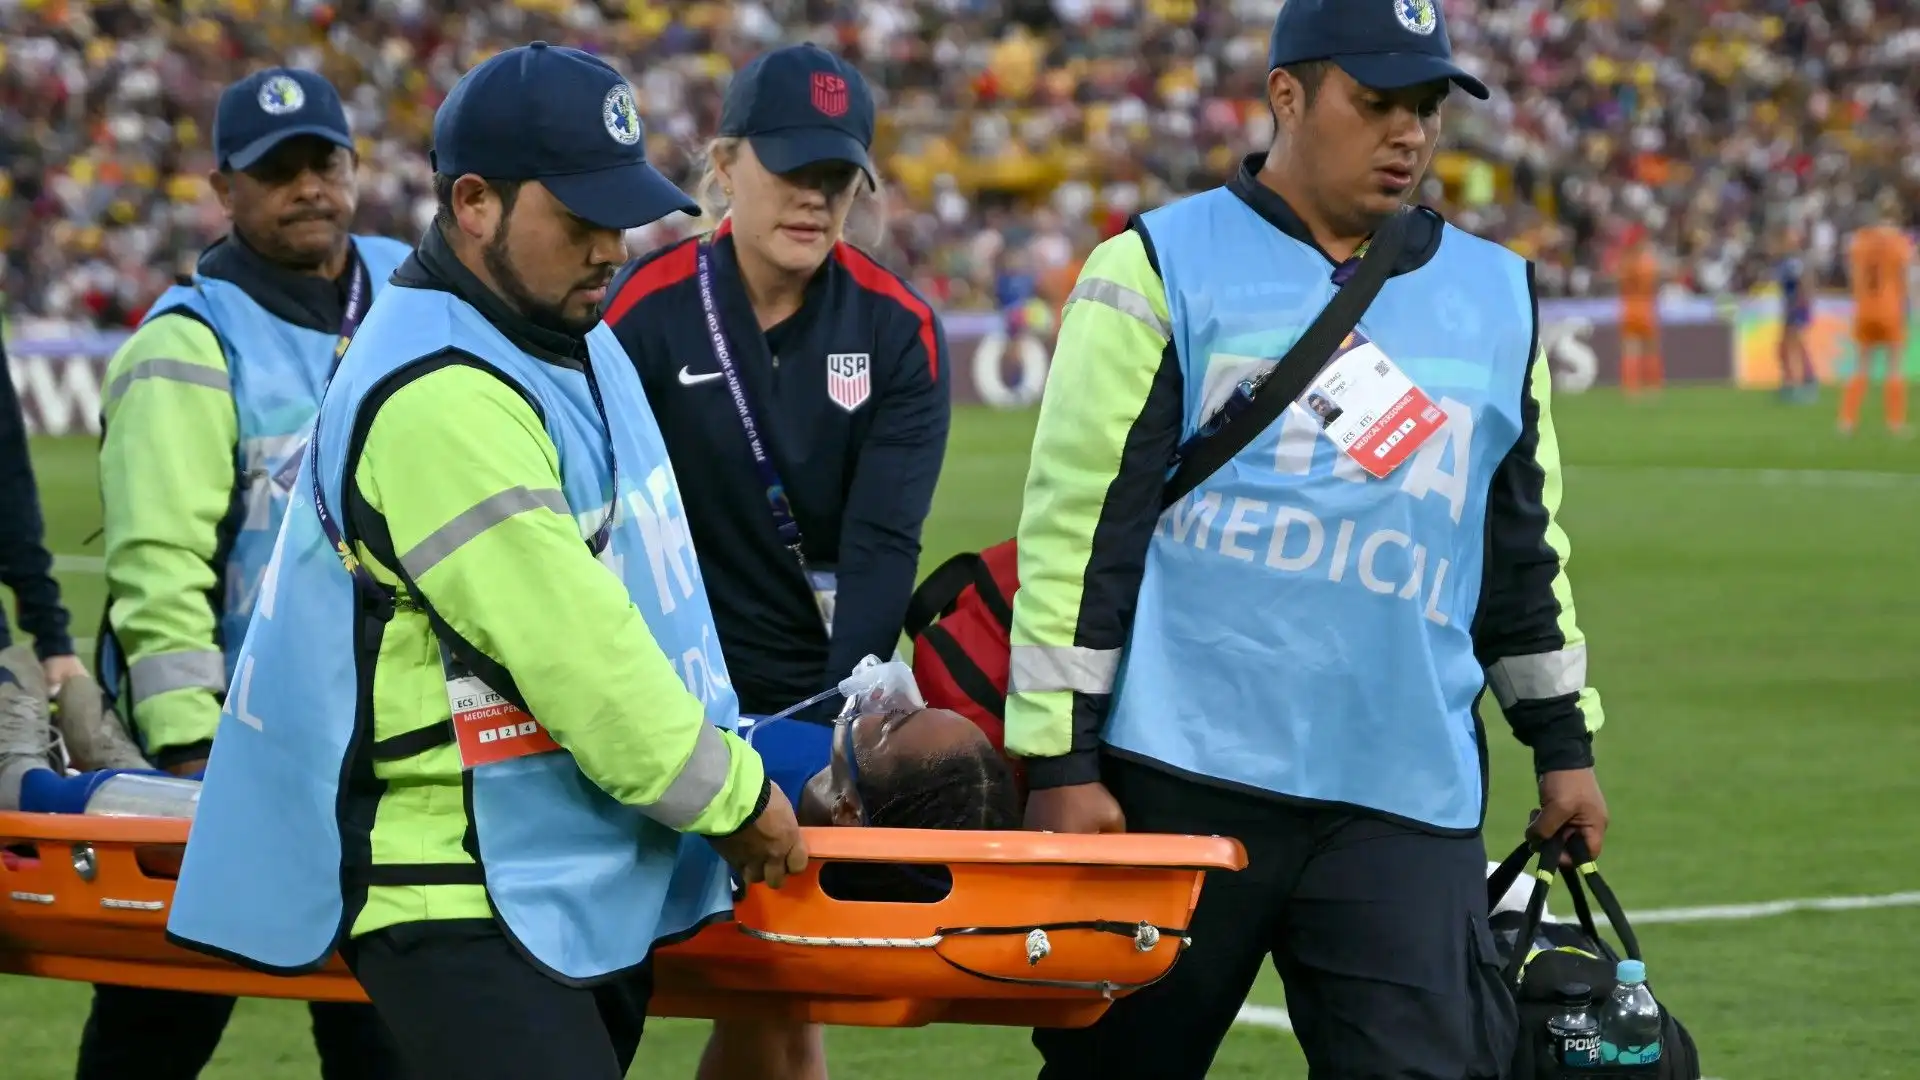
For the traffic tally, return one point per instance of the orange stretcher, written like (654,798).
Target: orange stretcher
(1038,929)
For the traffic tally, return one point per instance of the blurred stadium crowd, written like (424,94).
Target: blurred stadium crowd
(1015,134)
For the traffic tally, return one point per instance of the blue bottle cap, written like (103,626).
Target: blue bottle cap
(1631,971)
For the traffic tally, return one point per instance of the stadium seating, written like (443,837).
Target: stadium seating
(1015,134)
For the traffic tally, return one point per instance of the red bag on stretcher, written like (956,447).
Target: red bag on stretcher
(960,620)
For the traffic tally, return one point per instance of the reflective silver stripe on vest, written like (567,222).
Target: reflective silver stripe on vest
(155,675)
(700,782)
(172,371)
(1036,668)
(1538,676)
(1121,299)
(477,519)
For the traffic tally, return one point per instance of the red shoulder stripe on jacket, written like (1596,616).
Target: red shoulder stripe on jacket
(875,278)
(671,267)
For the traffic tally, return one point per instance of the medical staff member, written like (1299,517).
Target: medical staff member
(782,358)
(802,389)
(30,674)
(1292,654)
(26,567)
(482,732)
(205,410)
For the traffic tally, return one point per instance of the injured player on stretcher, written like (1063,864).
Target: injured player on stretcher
(888,762)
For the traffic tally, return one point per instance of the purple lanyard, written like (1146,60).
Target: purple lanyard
(782,510)
(356,309)
(358,291)
(350,322)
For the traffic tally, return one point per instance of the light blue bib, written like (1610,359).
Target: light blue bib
(585,884)
(1304,629)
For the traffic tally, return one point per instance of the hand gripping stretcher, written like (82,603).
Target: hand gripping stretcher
(1038,929)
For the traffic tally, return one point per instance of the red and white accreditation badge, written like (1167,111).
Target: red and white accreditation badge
(1370,409)
(486,726)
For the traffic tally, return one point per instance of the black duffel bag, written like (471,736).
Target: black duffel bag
(1543,957)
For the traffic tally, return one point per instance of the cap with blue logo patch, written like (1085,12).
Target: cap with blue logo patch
(565,118)
(801,105)
(1383,44)
(269,107)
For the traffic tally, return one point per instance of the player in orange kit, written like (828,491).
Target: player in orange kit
(1881,256)
(1640,366)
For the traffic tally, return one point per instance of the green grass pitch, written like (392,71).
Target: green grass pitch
(1750,584)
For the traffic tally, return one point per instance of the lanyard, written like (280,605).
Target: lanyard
(777,503)
(359,293)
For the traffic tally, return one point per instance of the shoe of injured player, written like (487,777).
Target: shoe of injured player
(93,733)
(26,732)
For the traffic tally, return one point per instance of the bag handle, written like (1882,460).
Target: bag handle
(1544,872)
(1585,868)
(1289,378)
(940,589)
(1587,871)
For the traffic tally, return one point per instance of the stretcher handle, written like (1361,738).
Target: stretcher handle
(1159,850)
(92,828)
(844,844)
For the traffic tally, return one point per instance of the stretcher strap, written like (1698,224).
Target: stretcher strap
(1145,935)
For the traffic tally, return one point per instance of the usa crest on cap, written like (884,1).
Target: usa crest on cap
(829,93)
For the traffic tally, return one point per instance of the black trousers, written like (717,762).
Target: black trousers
(1378,931)
(139,1034)
(463,1004)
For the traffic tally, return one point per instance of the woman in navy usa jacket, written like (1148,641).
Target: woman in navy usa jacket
(779,357)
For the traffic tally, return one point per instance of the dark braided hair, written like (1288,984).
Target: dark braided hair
(965,788)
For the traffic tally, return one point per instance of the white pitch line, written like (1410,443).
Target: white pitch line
(1731,912)
(1265,1016)
(1276,1019)
(79,564)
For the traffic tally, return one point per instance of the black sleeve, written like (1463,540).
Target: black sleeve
(26,567)
(888,501)
(1524,633)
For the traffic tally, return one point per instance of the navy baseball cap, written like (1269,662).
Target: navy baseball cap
(268,107)
(1383,44)
(565,118)
(800,105)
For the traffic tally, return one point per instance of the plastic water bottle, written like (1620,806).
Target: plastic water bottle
(137,795)
(1630,1021)
(1573,1033)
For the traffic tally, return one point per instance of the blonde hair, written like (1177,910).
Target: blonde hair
(866,225)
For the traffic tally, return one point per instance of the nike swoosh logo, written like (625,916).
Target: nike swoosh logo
(688,378)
